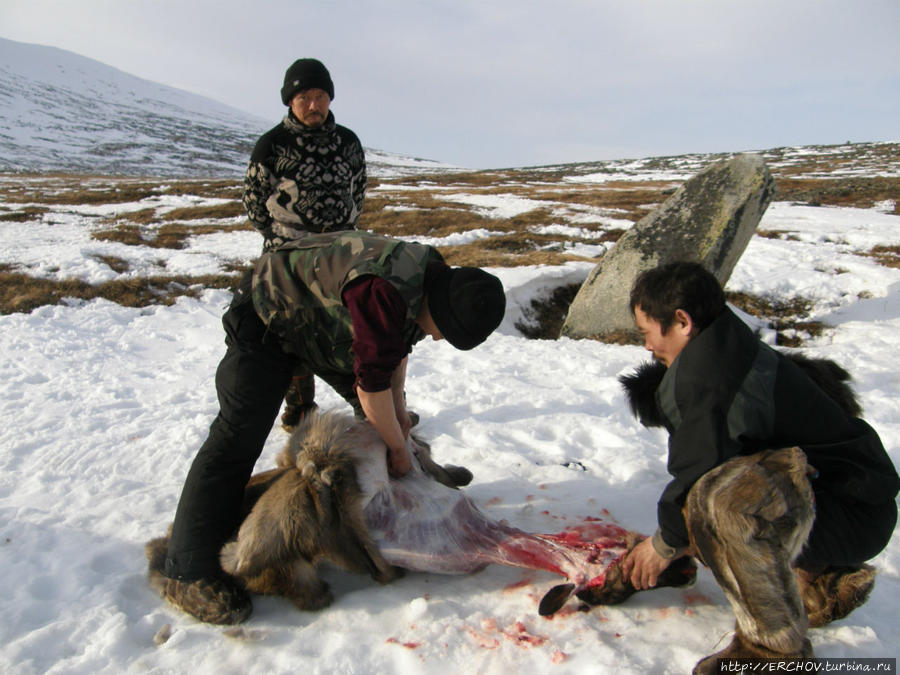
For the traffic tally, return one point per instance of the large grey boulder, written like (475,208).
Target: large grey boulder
(709,220)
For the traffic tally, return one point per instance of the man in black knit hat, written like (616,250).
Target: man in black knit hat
(306,175)
(349,306)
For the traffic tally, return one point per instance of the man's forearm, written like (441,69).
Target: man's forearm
(398,386)
(379,409)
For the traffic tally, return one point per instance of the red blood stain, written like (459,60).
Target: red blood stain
(408,645)
(525,581)
(483,641)
(696,598)
(517,634)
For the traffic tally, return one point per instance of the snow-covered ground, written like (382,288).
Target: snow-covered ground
(103,407)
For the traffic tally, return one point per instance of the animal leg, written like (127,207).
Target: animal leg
(267,538)
(307,591)
(357,552)
(448,474)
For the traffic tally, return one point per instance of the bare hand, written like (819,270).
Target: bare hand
(643,565)
(398,462)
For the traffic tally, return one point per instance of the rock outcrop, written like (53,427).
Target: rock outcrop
(709,220)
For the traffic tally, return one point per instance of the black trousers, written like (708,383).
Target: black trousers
(251,381)
(847,533)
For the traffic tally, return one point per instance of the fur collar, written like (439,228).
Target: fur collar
(640,388)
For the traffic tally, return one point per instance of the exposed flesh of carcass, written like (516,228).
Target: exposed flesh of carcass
(422,525)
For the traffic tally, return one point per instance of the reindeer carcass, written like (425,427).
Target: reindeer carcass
(331,498)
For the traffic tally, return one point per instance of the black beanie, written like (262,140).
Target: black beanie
(306,74)
(467,305)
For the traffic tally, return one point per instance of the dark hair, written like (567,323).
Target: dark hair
(680,285)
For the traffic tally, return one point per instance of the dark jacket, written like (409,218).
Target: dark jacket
(727,394)
(302,180)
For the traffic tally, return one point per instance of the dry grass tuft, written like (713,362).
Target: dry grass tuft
(888,256)
(421,217)
(621,337)
(141,217)
(777,234)
(170,236)
(22,293)
(117,265)
(24,215)
(488,253)
(67,189)
(769,307)
(786,317)
(233,209)
(131,235)
(861,192)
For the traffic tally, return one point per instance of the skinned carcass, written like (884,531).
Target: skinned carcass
(331,498)
(420,522)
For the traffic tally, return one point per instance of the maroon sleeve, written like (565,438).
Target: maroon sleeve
(378,313)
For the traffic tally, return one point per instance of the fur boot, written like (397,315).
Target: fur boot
(616,589)
(742,648)
(219,601)
(831,593)
(748,520)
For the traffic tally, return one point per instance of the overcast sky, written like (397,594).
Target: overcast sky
(511,83)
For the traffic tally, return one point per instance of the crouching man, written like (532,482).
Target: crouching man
(348,306)
(778,486)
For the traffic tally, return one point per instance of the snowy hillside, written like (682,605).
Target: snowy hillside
(62,112)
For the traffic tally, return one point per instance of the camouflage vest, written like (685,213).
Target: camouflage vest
(297,290)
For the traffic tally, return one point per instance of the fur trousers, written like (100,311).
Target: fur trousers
(748,519)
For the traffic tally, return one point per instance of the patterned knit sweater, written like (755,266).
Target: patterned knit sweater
(303,180)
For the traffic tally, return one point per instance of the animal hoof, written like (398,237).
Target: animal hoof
(460,475)
(313,599)
(682,573)
(554,599)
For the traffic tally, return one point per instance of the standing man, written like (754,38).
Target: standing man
(306,175)
(349,305)
(787,541)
